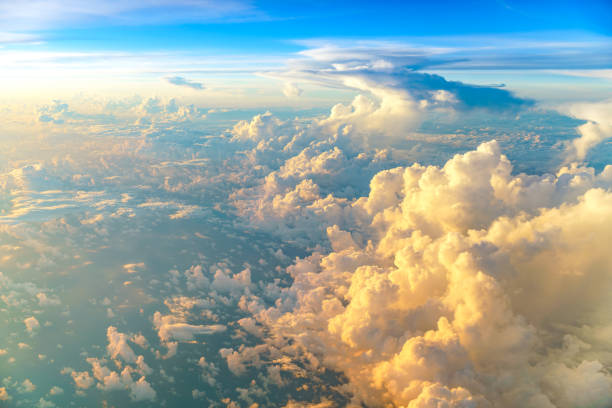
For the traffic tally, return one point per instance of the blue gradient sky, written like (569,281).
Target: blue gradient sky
(137,42)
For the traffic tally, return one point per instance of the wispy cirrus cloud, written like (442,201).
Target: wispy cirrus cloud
(42,14)
(18,38)
(546,50)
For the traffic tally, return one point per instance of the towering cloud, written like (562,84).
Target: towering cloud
(597,129)
(457,285)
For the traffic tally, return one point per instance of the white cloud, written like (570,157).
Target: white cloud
(133,267)
(43,403)
(141,390)
(118,345)
(44,300)
(172,328)
(597,129)
(55,390)
(31,324)
(446,283)
(291,90)
(82,379)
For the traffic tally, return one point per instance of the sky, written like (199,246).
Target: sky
(305,204)
(115,46)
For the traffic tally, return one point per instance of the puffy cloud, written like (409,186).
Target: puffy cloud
(597,129)
(455,286)
(156,111)
(399,95)
(261,127)
(426,285)
(43,403)
(394,113)
(323,404)
(118,345)
(26,386)
(82,379)
(141,390)
(195,278)
(31,324)
(237,283)
(209,371)
(55,390)
(291,90)
(45,300)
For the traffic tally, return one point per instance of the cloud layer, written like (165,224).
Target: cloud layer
(422,244)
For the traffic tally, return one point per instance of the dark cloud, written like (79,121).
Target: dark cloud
(182,81)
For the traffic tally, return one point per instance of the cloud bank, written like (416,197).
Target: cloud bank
(456,285)
(425,244)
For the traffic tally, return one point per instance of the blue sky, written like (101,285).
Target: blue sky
(272,26)
(109,40)
(297,19)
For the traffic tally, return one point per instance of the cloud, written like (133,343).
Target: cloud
(181,81)
(18,38)
(31,324)
(55,390)
(452,281)
(82,379)
(597,129)
(26,387)
(392,80)
(33,14)
(172,328)
(570,50)
(141,390)
(118,345)
(134,267)
(43,403)
(291,90)
(452,276)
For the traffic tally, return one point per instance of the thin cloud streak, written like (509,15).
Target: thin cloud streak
(181,81)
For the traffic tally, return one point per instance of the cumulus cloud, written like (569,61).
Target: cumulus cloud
(108,380)
(181,81)
(55,390)
(452,278)
(291,90)
(597,129)
(26,387)
(118,345)
(141,390)
(390,74)
(82,379)
(31,324)
(426,285)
